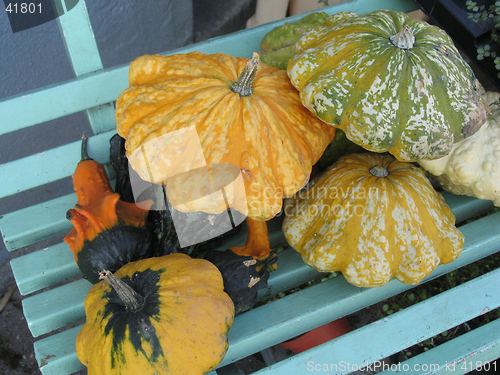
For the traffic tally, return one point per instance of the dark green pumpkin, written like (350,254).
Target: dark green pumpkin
(243,276)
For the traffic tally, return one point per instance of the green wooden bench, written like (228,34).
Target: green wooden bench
(54,292)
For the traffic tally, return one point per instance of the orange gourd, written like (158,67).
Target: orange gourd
(107,232)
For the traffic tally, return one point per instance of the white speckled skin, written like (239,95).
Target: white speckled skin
(413,102)
(372,229)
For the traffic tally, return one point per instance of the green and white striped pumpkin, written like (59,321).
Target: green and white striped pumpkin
(390,82)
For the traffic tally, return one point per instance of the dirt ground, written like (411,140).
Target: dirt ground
(17,356)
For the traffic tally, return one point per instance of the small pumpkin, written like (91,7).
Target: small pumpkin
(373,218)
(107,232)
(164,315)
(243,276)
(204,231)
(119,162)
(392,83)
(240,112)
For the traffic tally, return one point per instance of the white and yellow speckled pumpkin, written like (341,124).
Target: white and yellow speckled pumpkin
(390,82)
(373,218)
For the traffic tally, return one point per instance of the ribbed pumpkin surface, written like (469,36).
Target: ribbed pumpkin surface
(181,327)
(372,228)
(413,100)
(269,134)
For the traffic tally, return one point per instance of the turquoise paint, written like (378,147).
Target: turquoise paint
(285,318)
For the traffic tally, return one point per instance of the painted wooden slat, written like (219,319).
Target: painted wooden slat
(39,222)
(56,354)
(397,331)
(319,304)
(41,319)
(44,268)
(51,165)
(94,89)
(62,99)
(56,308)
(460,355)
(36,223)
(79,40)
(465,207)
(56,264)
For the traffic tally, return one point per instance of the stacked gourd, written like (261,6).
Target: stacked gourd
(145,313)
(398,88)
(386,83)
(171,313)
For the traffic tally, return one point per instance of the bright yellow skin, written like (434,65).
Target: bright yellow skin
(269,135)
(194,317)
(372,229)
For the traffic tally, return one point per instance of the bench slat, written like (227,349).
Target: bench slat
(53,265)
(36,223)
(42,221)
(458,356)
(41,320)
(58,267)
(56,354)
(465,207)
(56,308)
(480,235)
(399,330)
(56,264)
(78,37)
(84,55)
(62,99)
(51,165)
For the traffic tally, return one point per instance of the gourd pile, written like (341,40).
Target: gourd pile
(329,130)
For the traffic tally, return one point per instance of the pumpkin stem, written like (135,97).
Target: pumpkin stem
(379,171)
(85,155)
(257,244)
(243,85)
(404,39)
(132,300)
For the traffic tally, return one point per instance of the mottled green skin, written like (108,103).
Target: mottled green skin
(413,102)
(278,46)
